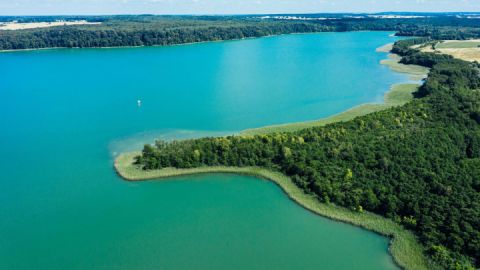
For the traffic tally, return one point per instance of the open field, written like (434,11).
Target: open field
(458,44)
(467,50)
(398,95)
(405,249)
(32,25)
(467,54)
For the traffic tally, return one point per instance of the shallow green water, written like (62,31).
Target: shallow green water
(66,113)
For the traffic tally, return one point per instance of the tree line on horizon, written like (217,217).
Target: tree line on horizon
(143,30)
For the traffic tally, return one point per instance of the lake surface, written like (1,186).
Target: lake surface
(65,114)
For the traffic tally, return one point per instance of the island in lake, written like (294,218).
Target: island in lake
(376,146)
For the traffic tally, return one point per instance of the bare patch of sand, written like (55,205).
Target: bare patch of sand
(385,48)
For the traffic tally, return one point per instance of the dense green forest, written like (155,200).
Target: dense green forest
(418,164)
(135,33)
(147,30)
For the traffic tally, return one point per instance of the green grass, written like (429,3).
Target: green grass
(398,95)
(416,72)
(457,45)
(405,249)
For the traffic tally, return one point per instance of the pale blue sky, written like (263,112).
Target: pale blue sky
(49,7)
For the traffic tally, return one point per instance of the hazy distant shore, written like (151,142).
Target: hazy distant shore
(12,26)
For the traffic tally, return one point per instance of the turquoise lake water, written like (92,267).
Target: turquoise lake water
(65,114)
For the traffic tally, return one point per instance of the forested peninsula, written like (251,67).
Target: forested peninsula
(417,165)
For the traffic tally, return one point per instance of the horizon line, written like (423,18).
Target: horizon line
(242,14)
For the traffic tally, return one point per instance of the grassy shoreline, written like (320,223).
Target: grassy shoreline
(398,95)
(404,248)
(416,73)
(406,251)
